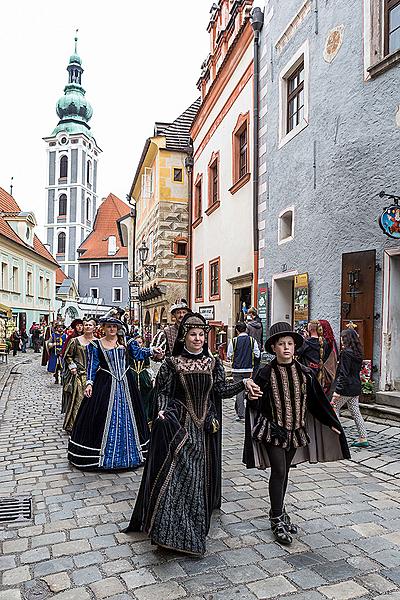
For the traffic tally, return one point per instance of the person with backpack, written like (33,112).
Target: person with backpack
(243,351)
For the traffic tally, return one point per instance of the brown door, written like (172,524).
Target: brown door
(358,295)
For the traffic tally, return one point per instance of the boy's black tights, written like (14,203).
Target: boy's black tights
(280,460)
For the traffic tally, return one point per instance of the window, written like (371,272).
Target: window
(47,288)
(295,98)
(240,153)
(199,284)
(15,279)
(198,200)
(64,167)
(62,205)
(285,225)
(112,245)
(117,270)
(94,271)
(179,247)
(178,175)
(29,283)
(213,183)
(147,183)
(215,280)
(117,295)
(88,172)
(41,286)
(88,209)
(61,243)
(94,292)
(293,95)
(392,26)
(4,276)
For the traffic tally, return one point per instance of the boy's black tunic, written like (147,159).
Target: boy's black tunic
(324,444)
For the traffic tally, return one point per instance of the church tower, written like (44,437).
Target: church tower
(71,184)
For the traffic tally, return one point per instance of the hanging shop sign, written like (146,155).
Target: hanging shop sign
(389,221)
(300,301)
(208,312)
(262,305)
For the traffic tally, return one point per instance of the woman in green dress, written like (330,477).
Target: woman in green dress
(76,357)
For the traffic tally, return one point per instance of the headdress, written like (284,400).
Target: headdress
(179,304)
(110,321)
(76,322)
(190,321)
(282,329)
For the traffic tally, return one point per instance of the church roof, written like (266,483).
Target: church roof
(8,208)
(95,246)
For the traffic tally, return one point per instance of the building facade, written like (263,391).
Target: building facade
(103,260)
(160,194)
(222,272)
(28,270)
(329,130)
(71,180)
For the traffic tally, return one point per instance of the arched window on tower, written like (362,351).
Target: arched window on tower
(88,204)
(89,173)
(64,167)
(62,205)
(61,243)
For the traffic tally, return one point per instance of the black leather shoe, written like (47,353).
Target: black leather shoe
(292,528)
(280,530)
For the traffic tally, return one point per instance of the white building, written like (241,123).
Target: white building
(222,218)
(71,188)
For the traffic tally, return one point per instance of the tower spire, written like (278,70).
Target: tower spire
(76,41)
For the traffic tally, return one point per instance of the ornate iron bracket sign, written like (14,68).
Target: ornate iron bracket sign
(389,221)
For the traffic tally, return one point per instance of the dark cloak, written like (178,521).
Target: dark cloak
(325,445)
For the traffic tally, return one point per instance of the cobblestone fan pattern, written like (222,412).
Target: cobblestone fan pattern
(348,514)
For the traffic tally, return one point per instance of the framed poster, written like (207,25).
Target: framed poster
(262,305)
(208,312)
(300,302)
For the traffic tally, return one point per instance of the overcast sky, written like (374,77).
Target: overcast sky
(141,61)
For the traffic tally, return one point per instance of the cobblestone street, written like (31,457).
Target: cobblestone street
(73,549)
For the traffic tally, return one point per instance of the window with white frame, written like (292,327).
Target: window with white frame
(15,279)
(94,269)
(117,294)
(147,183)
(294,95)
(286,225)
(94,292)
(29,283)
(117,270)
(381,36)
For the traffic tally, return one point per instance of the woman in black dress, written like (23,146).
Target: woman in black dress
(181,483)
(348,383)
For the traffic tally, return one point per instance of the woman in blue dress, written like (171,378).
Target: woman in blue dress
(110,430)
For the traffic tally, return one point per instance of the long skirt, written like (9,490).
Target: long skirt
(110,430)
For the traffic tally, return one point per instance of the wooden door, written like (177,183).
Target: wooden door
(358,295)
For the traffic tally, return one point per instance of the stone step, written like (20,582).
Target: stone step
(391,398)
(396,384)
(381,411)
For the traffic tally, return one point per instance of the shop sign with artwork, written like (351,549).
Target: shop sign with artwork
(390,221)
(300,301)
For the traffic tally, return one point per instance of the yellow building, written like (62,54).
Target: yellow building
(160,195)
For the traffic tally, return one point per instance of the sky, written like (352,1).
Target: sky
(141,62)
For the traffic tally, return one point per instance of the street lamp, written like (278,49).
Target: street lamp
(143,255)
(133,285)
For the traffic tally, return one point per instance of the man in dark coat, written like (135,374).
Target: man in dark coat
(292,422)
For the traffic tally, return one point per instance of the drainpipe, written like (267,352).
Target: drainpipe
(189,162)
(257,21)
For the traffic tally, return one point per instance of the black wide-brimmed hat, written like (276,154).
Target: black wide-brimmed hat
(282,329)
(111,321)
(76,322)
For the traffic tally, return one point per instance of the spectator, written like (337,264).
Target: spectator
(243,350)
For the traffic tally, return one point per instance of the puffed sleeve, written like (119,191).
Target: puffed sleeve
(92,364)
(136,352)
(69,354)
(222,388)
(164,387)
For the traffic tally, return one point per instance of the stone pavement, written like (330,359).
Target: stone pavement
(73,549)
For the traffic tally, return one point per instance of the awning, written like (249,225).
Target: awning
(5,311)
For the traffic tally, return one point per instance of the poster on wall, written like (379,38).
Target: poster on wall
(300,302)
(262,306)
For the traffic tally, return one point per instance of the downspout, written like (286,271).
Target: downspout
(257,20)
(189,162)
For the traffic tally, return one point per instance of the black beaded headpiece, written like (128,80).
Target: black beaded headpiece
(190,321)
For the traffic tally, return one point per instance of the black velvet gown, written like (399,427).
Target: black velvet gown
(181,483)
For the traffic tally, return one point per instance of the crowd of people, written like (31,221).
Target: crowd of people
(288,392)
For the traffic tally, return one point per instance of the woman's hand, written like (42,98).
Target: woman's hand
(161,414)
(336,430)
(253,390)
(88,390)
(74,371)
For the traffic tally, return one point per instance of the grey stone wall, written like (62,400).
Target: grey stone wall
(352,126)
(52,168)
(74,166)
(50,206)
(72,211)
(105,281)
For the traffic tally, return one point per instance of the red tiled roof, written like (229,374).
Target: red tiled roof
(105,225)
(60,276)
(8,204)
